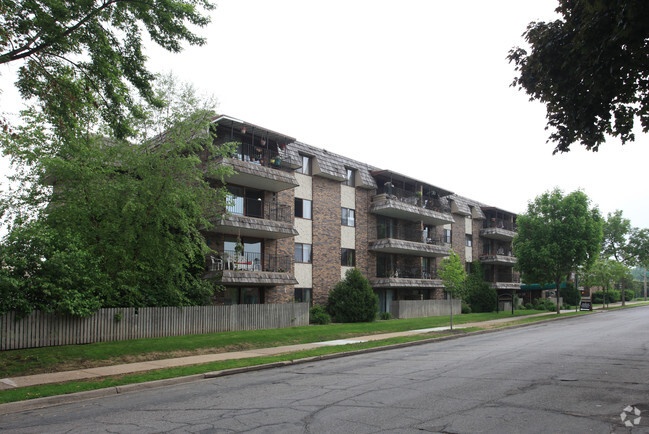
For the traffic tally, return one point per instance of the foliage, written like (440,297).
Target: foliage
(466,308)
(556,235)
(605,272)
(545,304)
(318,315)
(385,316)
(49,270)
(479,294)
(626,244)
(132,213)
(570,294)
(352,299)
(612,296)
(452,274)
(74,55)
(589,68)
(629,294)
(529,306)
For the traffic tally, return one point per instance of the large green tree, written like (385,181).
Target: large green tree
(74,54)
(589,68)
(624,243)
(556,235)
(126,215)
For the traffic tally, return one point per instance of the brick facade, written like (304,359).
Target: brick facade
(326,237)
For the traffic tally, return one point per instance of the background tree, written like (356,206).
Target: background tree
(606,272)
(625,244)
(453,277)
(352,299)
(77,54)
(130,213)
(556,235)
(479,294)
(589,68)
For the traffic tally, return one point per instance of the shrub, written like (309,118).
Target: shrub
(529,306)
(629,295)
(479,294)
(612,296)
(465,307)
(385,315)
(352,299)
(318,315)
(545,304)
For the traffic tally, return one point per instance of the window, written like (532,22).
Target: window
(348,217)
(348,257)
(303,253)
(303,208)
(447,236)
(349,177)
(306,165)
(302,295)
(469,240)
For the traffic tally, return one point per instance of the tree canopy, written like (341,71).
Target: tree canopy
(624,243)
(453,277)
(556,235)
(103,222)
(589,68)
(75,54)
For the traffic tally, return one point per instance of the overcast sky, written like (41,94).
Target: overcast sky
(418,87)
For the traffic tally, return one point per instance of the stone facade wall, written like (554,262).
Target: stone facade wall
(458,233)
(326,237)
(365,228)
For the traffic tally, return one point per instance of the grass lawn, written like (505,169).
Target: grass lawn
(62,358)
(52,359)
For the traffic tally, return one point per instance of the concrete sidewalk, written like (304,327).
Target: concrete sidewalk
(131,368)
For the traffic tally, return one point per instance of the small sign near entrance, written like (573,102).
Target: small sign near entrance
(586,304)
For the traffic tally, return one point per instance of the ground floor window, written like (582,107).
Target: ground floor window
(303,295)
(243,296)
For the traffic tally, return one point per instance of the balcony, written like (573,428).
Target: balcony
(260,168)
(506,259)
(431,248)
(498,229)
(232,269)
(401,204)
(506,281)
(254,218)
(406,277)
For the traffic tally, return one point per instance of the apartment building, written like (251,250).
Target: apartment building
(299,217)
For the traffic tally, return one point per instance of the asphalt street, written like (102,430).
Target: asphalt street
(583,374)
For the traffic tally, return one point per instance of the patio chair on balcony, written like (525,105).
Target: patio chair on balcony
(228,260)
(216,263)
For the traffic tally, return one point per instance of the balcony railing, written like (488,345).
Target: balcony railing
(400,233)
(259,155)
(499,223)
(507,277)
(407,272)
(257,208)
(232,260)
(432,203)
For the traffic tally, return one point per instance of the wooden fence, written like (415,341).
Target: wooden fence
(117,324)
(403,309)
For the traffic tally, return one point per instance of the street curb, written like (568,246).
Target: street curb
(51,401)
